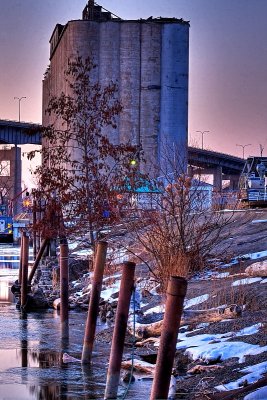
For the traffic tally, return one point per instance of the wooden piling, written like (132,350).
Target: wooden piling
(34,221)
(126,288)
(176,292)
(90,328)
(24,275)
(21,257)
(44,244)
(64,284)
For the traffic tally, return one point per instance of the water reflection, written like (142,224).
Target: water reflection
(31,356)
(5,294)
(9,256)
(9,267)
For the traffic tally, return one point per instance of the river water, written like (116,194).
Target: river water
(32,346)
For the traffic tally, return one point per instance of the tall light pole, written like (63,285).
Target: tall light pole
(17,189)
(243,147)
(202,133)
(19,99)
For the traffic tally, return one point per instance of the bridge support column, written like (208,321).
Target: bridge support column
(217,178)
(10,174)
(16,172)
(190,171)
(234,180)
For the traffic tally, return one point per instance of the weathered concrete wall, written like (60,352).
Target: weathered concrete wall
(174,94)
(129,82)
(109,64)
(150,92)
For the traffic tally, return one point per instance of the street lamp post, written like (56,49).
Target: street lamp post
(202,133)
(19,99)
(243,147)
(17,189)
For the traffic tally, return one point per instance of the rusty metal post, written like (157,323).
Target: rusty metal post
(34,220)
(176,292)
(126,288)
(44,244)
(21,257)
(24,275)
(64,284)
(90,328)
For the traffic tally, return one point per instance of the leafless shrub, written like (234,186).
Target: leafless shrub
(183,232)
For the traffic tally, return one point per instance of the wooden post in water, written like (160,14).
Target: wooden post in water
(44,244)
(126,288)
(176,292)
(64,284)
(34,220)
(90,328)
(21,257)
(24,275)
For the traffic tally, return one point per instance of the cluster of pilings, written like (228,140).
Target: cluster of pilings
(22,286)
(176,292)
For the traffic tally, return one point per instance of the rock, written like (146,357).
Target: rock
(234,310)
(257,269)
(146,294)
(36,300)
(114,295)
(113,303)
(78,267)
(128,377)
(56,304)
(66,358)
(110,314)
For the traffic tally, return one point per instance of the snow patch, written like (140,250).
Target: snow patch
(246,281)
(195,300)
(255,372)
(223,350)
(211,348)
(156,310)
(259,394)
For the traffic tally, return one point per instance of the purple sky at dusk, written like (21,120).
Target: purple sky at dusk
(228,62)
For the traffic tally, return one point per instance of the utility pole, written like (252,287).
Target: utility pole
(19,99)
(243,147)
(202,133)
(17,172)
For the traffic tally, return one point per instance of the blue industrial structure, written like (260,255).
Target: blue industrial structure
(14,132)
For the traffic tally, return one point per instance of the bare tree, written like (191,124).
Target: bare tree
(184,232)
(82,171)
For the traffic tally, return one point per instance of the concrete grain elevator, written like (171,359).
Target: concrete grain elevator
(148,58)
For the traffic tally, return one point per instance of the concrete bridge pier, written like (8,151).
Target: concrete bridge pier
(217,178)
(10,175)
(190,171)
(234,182)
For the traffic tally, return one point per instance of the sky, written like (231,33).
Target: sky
(228,62)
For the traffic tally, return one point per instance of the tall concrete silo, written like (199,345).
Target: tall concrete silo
(148,58)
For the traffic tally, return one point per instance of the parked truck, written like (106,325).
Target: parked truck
(6,229)
(253,182)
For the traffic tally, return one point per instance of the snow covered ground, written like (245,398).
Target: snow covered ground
(210,348)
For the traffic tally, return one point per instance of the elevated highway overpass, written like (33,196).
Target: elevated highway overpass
(18,133)
(221,166)
(15,133)
(200,161)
